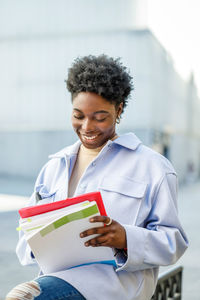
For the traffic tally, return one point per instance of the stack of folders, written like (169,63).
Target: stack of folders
(53,233)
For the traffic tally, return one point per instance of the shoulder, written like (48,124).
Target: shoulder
(67,151)
(56,165)
(143,156)
(155,159)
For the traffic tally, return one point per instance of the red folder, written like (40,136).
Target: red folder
(30,211)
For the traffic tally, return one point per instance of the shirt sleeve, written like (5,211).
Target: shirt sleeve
(120,257)
(163,241)
(23,250)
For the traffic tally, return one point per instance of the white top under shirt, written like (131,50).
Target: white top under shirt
(84,158)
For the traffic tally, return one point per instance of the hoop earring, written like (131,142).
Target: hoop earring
(118,120)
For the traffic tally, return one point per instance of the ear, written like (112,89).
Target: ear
(120,109)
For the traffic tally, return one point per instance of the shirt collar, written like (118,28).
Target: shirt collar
(68,151)
(127,140)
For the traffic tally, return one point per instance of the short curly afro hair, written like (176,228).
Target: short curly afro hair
(102,75)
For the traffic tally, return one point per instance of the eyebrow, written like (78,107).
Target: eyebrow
(96,112)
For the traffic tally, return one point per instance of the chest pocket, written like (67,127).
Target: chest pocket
(122,197)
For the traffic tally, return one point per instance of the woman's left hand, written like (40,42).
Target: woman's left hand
(113,235)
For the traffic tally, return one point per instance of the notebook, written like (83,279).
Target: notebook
(53,233)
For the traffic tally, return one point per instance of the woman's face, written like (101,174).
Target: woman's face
(93,119)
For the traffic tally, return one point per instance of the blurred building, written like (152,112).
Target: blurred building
(38,42)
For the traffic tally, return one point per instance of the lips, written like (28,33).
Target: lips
(90,137)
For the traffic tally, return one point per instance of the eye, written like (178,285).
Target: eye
(101,120)
(78,117)
(100,117)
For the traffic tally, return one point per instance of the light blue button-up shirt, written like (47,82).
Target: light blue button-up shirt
(139,190)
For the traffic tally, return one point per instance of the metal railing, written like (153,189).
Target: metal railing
(169,285)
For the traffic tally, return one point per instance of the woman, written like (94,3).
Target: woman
(138,187)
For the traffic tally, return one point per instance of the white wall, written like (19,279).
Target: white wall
(38,42)
(51,17)
(33,91)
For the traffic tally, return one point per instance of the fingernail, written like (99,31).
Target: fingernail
(81,235)
(86,244)
(91,220)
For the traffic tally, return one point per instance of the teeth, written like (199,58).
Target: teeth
(90,137)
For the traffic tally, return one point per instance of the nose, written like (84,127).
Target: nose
(88,125)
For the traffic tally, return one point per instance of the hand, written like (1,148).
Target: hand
(113,235)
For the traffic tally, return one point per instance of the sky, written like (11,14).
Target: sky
(176,23)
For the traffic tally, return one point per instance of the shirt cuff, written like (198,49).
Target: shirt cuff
(135,237)
(120,257)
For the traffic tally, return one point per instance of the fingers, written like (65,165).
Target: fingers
(109,222)
(103,219)
(97,242)
(96,230)
(106,240)
(113,235)
(103,232)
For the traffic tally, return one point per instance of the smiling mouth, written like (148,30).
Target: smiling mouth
(89,138)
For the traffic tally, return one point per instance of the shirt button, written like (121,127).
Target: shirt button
(94,163)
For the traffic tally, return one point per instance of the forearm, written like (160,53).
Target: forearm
(148,248)
(162,241)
